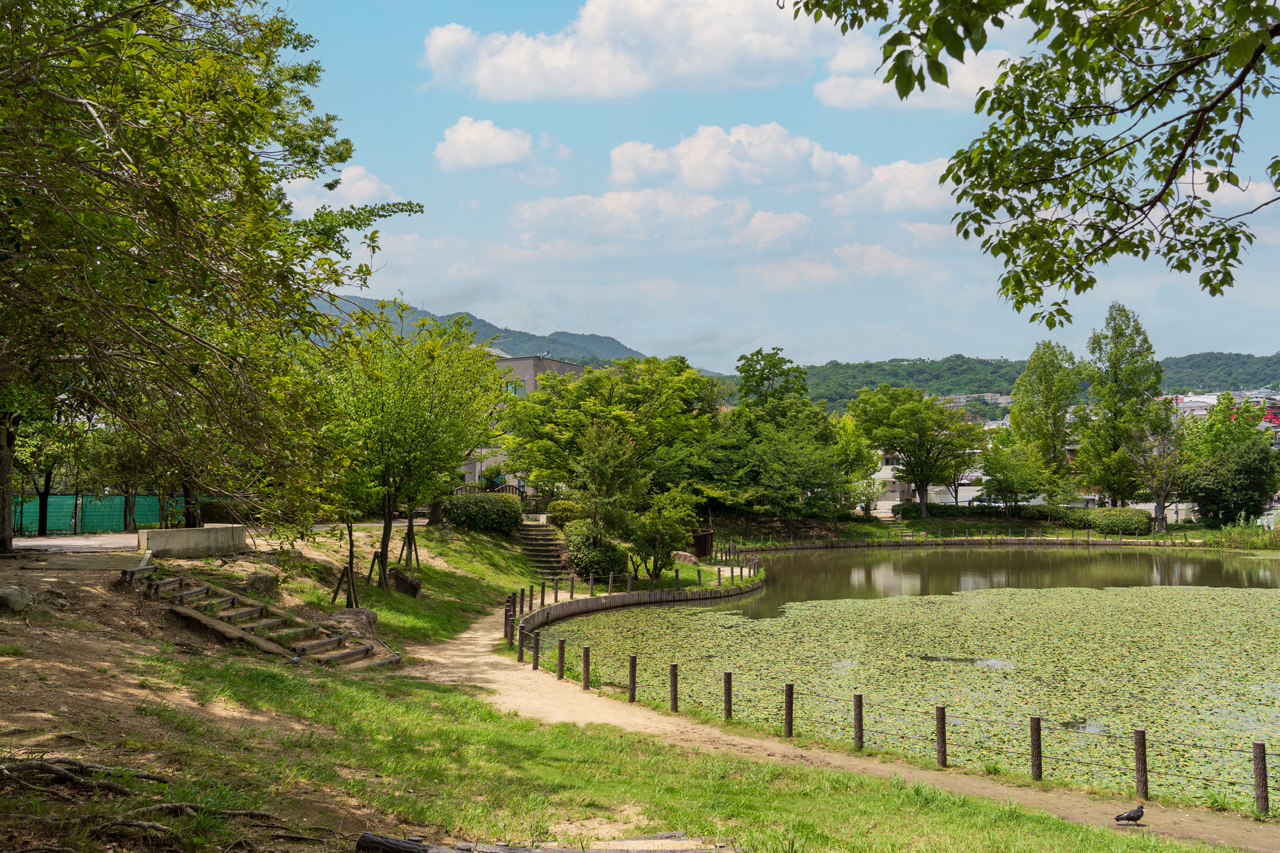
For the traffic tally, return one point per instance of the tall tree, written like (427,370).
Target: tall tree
(1013,472)
(1119,133)
(145,148)
(765,376)
(1042,401)
(929,441)
(1156,454)
(1123,377)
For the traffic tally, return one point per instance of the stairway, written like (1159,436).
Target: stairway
(541,543)
(265,626)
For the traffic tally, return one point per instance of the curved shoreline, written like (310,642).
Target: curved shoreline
(577,607)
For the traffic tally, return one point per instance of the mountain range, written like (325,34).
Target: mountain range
(837,382)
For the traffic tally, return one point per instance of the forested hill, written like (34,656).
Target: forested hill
(592,350)
(1221,371)
(838,382)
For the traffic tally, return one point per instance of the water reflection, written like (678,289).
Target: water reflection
(836,573)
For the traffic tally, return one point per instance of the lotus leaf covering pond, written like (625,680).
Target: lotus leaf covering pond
(1198,668)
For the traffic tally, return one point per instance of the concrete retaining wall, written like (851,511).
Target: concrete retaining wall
(193,542)
(577,607)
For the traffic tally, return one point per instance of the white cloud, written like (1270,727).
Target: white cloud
(765,228)
(855,82)
(792,275)
(358,186)
(621,48)
(713,158)
(876,261)
(660,215)
(895,187)
(472,144)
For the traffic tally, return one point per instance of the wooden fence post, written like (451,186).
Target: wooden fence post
(858,740)
(542,600)
(530,598)
(940,733)
(788,709)
(586,667)
(610,583)
(560,659)
(1261,797)
(1140,763)
(629,581)
(675,687)
(521,601)
(677,577)
(557,589)
(1037,756)
(572,579)
(631,678)
(520,647)
(593,584)
(537,648)
(728,695)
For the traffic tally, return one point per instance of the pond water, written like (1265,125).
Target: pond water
(825,575)
(1096,643)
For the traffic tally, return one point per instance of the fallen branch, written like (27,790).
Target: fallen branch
(50,768)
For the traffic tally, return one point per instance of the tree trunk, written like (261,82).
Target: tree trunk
(388,513)
(130,498)
(42,502)
(351,565)
(190,507)
(1159,514)
(922,495)
(8,438)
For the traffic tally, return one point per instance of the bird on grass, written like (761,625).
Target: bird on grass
(1132,816)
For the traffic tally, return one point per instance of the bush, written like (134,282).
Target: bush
(561,513)
(484,513)
(1120,519)
(911,510)
(591,551)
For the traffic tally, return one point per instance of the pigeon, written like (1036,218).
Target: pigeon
(1132,816)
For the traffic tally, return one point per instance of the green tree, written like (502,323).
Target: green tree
(1156,455)
(1042,401)
(1012,472)
(765,376)
(1226,425)
(604,478)
(858,461)
(1123,377)
(416,407)
(929,441)
(661,529)
(1234,484)
(146,144)
(1109,138)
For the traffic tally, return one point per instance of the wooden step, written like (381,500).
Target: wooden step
(294,633)
(215,603)
(371,662)
(233,615)
(351,654)
(265,623)
(320,645)
(181,597)
(154,587)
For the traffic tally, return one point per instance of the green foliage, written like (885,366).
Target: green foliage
(1119,519)
(604,478)
(12,650)
(1226,425)
(910,511)
(1012,472)
(561,513)
(838,383)
(661,529)
(768,376)
(591,550)
(1042,398)
(1219,371)
(1057,186)
(1233,485)
(485,513)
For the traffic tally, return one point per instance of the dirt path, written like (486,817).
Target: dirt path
(516,688)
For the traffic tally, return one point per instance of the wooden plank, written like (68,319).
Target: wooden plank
(231,632)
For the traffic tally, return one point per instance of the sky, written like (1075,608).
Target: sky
(701,178)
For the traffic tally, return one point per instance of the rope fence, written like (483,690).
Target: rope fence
(955,738)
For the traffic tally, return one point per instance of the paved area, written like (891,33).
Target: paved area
(92,543)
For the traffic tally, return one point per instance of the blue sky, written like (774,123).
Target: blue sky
(696,177)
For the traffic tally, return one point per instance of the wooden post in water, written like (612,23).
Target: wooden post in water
(728,695)
(631,678)
(560,659)
(858,731)
(1037,756)
(586,667)
(1261,797)
(675,687)
(1140,763)
(788,709)
(537,647)
(940,733)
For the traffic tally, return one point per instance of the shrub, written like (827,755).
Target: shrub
(1075,517)
(1120,519)
(591,551)
(561,513)
(911,510)
(484,512)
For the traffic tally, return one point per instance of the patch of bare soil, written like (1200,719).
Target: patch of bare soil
(75,691)
(517,688)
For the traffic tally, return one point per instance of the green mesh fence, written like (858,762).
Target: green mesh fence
(96,514)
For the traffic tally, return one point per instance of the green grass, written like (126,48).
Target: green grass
(438,756)
(488,569)
(12,650)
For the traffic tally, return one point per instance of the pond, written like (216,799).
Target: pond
(1185,646)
